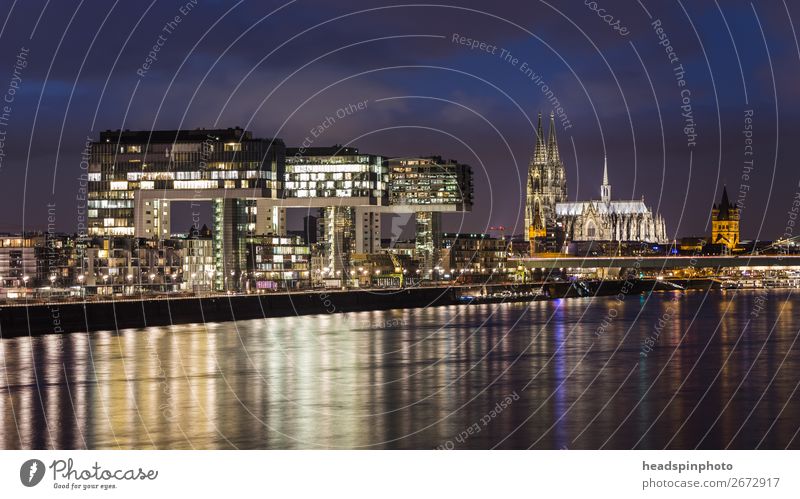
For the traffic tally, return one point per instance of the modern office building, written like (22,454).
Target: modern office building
(135,176)
(350,187)
(428,242)
(429,186)
(198,260)
(19,266)
(131,265)
(277,263)
(325,173)
(474,257)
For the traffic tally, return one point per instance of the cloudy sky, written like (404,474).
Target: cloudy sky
(279,69)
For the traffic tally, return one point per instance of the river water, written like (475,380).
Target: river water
(669,370)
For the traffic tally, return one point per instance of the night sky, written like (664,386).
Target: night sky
(279,69)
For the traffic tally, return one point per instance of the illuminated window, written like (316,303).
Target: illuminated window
(195,184)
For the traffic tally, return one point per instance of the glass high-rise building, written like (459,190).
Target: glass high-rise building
(335,172)
(351,187)
(427,187)
(442,185)
(133,176)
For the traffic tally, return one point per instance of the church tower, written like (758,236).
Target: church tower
(605,189)
(546,185)
(725,223)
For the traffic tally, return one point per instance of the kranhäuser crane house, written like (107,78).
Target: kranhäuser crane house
(134,176)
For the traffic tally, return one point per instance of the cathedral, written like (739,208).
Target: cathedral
(546,186)
(552,221)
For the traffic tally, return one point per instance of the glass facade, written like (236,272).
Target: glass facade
(474,254)
(277,262)
(122,163)
(334,172)
(430,181)
(428,241)
(133,177)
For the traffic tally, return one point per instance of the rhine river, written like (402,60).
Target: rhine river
(672,370)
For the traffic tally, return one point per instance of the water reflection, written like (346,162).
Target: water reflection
(716,375)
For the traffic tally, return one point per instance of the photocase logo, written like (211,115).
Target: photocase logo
(31,472)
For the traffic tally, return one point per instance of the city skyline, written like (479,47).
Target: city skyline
(391,88)
(376,225)
(602,194)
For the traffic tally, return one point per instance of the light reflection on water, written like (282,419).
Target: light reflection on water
(421,378)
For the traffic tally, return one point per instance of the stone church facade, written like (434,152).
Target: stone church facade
(608,220)
(549,216)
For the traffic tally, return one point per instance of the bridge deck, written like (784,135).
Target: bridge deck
(660,262)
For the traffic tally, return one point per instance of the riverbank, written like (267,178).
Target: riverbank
(70,317)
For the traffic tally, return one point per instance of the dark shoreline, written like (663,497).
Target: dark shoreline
(70,317)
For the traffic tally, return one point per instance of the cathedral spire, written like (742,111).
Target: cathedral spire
(605,189)
(540,153)
(552,145)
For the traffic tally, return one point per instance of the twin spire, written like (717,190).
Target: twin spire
(549,153)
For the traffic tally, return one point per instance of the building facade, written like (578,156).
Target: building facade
(546,185)
(19,265)
(609,220)
(474,257)
(198,260)
(350,187)
(133,178)
(430,184)
(277,263)
(427,187)
(725,223)
(551,221)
